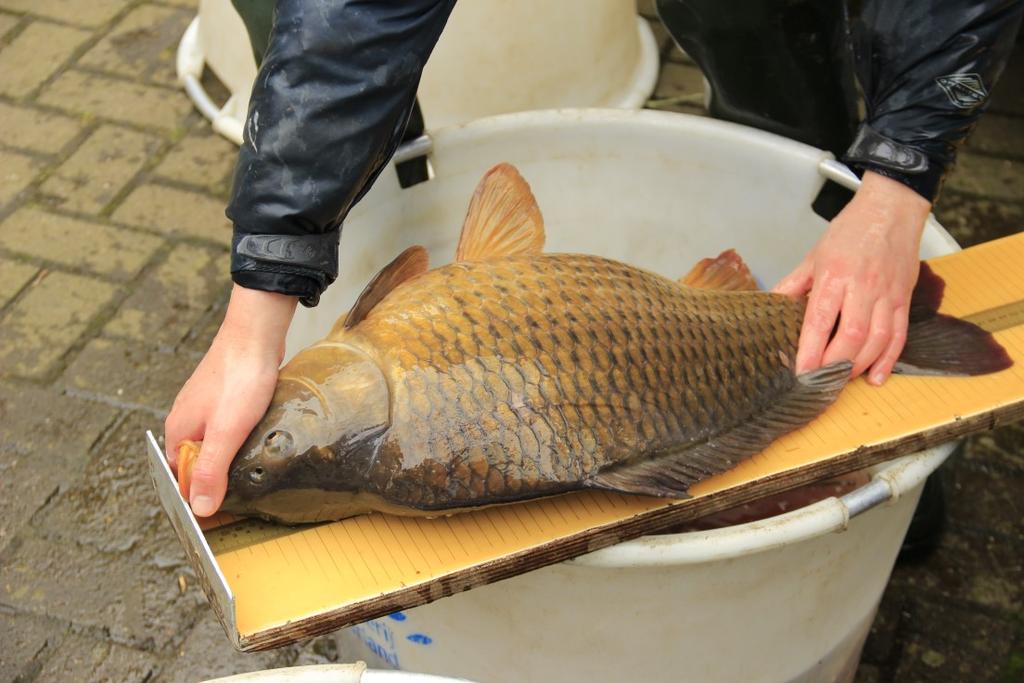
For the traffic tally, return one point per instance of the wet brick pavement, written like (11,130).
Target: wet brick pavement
(113,278)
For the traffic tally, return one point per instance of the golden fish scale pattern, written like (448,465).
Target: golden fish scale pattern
(525,376)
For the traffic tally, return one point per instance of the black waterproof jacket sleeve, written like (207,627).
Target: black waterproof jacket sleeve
(330,103)
(338,81)
(927,68)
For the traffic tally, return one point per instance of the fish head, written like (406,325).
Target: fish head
(327,417)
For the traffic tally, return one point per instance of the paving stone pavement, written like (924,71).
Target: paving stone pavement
(113,253)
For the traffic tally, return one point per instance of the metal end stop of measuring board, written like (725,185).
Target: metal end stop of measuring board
(197,550)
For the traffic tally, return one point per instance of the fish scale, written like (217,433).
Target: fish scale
(676,359)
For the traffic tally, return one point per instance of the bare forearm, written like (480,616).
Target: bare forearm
(258,320)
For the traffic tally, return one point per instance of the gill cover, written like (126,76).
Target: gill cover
(321,430)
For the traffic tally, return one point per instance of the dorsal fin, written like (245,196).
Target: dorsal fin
(410,263)
(503,218)
(727,272)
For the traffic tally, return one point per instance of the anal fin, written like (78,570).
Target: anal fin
(670,474)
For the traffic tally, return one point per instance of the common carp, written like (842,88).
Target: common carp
(512,374)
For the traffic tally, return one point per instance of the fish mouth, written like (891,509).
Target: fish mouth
(233,504)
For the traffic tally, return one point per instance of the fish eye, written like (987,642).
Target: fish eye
(256,475)
(278,443)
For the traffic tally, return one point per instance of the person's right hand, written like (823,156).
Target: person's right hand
(229,391)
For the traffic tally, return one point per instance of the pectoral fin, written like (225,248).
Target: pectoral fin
(410,263)
(670,474)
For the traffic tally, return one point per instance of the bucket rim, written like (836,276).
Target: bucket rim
(506,126)
(336,673)
(518,122)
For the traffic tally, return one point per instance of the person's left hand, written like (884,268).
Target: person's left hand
(861,272)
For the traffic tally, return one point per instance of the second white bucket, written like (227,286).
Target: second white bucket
(493,57)
(788,599)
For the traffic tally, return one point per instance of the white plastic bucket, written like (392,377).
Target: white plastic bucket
(333,673)
(493,57)
(784,599)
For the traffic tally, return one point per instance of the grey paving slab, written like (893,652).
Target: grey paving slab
(142,45)
(173,296)
(77,243)
(81,658)
(35,55)
(122,595)
(47,320)
(99,169)
(127,373)
(35,129)
(28,642)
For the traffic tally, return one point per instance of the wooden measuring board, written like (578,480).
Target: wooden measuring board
(271,585)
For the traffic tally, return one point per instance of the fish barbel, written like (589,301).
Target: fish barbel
(512,374)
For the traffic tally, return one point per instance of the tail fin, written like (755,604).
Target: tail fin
(939,344)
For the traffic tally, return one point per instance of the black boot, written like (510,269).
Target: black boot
(929,520)
(784,66)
